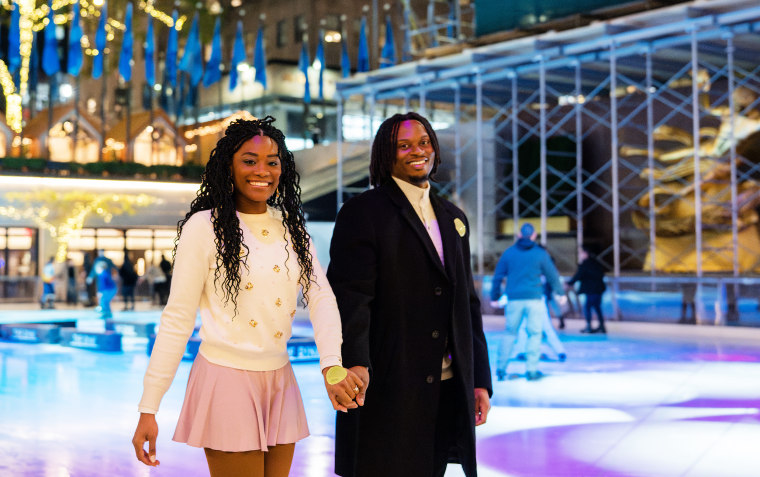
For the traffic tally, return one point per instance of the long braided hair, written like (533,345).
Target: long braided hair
(384,147)
(216,193)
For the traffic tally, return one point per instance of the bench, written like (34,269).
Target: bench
(93,340)
(31,333)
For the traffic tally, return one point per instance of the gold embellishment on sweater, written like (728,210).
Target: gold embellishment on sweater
(248,286)
(276,269)
(252,323)
(265,232)
(278,302)
(461,228)
(278,334)
(293,313)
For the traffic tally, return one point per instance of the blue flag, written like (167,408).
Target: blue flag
(213,73)
(238,55)
(170,66)
(14,40)
(179,96)
(125,57)
(320,58)
(406,48)
(150,47)
(191,62)
(51,64)
(303,65)
(362,58)
(388,56)
(34,64)
(260,59)
(345,61)
(100,43)
(74,65)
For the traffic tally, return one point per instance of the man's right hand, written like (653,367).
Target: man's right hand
(362,372)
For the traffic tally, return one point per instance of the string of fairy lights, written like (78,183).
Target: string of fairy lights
(33,19)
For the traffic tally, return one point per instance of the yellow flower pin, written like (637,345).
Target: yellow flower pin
(460,226)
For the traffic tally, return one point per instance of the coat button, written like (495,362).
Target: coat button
(436,334)
(429,379)
(438,291)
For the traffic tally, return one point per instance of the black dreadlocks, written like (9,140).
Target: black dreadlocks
(216,194)
(384,147)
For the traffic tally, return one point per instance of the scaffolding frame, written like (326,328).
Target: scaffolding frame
(614,88)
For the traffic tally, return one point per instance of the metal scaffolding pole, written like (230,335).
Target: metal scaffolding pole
(614,180)
(479,155)
(578,158)
(372,104)
(650,165)
(423,102)
(543,171)
(699,307)
(515,159)
(732,153)
(457,144)
(732,162)
(339,164)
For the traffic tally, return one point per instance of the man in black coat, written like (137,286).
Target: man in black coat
(412,327)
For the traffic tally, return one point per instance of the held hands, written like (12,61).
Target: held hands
(147,431)
(348,393)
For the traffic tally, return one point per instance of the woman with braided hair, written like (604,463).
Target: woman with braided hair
(241,256)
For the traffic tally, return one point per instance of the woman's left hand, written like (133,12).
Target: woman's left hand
(343,393)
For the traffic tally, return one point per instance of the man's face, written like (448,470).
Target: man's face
(414,154)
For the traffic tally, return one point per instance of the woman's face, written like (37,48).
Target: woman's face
(256,170)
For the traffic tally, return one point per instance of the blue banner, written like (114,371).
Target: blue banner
(125,57)
(51,64)
(150,47)
(213,71)
(345,61)
(14,40)
(362,58)
(191,62)
(238,55)
(388,56)
(303,65)
(100,43)
(170,65)
(74,65)
(260,59)
(320,57)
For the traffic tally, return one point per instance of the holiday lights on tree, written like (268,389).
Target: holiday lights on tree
(63,214)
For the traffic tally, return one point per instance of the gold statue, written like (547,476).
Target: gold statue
(674,192)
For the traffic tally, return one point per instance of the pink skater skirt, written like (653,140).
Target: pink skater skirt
(235,410)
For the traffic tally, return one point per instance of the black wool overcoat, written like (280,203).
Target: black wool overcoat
(401,310)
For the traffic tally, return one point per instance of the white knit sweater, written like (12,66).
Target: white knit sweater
(255,339)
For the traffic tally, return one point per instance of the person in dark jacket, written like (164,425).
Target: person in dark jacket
(590,274)
(129,277)
(523,265)
(412,326)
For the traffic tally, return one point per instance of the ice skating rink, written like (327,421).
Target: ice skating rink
(646,400)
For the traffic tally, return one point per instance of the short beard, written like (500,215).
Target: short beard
(421,180)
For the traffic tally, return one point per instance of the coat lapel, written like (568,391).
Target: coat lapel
(410,216)
(449,235)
